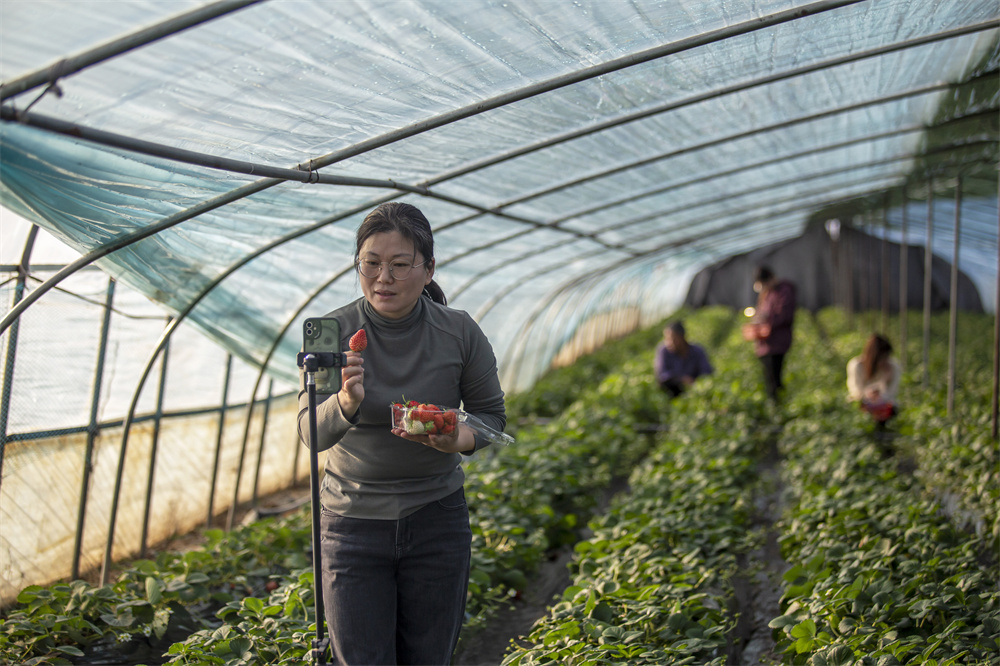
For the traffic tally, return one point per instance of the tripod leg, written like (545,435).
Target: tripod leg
(320,644)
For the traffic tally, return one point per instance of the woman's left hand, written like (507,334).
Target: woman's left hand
(462,439)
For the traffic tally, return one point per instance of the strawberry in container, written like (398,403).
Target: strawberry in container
(420,418)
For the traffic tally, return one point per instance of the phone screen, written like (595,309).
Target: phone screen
(322,334)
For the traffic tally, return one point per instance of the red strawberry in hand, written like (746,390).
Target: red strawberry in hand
(359,341)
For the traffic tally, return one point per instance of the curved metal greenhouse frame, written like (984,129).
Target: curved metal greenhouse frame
(573,160)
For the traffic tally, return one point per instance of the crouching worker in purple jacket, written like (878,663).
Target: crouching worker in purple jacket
(678,362)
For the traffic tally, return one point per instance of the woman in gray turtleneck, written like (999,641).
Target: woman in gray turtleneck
(396,540)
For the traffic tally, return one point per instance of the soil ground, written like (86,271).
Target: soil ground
(487,646)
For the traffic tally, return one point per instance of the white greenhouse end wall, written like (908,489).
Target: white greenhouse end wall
(41,488)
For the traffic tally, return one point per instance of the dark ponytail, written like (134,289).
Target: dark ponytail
(411,223)
(877,349)
(434,292)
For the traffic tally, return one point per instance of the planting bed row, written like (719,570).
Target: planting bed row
(878,574)
(881,573)
(656,582)
(247,596)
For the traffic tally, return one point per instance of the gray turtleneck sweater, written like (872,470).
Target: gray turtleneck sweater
(436,355)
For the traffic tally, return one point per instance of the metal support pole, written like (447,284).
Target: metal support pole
(124,44)
(904,285)
(863,267)
(928,256)
(836,286)
(154,447)
(218,440)
(885,265)
(849,257)
(245,442)
(861,249)
(953,306)
(93,428)
(263,439)
(23,269)
(873,274)
(295,466)
(122,452)
(996,332)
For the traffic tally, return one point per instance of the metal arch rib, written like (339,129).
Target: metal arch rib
(279,174)
(165,336)
(578,76)
(523,93)
(697,235)
(700,179)
(747,85)
(486,307)
(129,239)
(541,306)
(677,104)
(688,240)
(431,123)
(142,37)
(265,362)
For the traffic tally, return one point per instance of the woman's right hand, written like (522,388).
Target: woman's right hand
(352,388)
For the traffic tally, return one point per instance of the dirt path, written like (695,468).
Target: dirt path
(488,645)
(758,591)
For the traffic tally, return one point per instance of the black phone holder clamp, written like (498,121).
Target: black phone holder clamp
(319,652)
(313,361)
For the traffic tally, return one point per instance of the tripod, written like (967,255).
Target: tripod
(311,362)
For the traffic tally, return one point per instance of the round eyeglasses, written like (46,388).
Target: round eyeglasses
(398,270)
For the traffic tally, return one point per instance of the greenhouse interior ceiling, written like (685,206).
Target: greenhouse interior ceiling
(579,162)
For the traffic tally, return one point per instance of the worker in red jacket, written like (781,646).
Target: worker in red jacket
(771,328)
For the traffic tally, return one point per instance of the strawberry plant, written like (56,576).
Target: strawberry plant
(879,572)
(862,587)
(891,559)
(52,624)
(651,585)
(176,593)
(276,630)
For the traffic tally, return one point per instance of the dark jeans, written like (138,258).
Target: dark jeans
(772,374)
(395,589)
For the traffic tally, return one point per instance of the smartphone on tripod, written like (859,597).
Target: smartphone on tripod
(322,335)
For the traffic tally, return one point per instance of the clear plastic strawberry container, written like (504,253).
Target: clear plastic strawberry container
(424,419)
(428,419)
